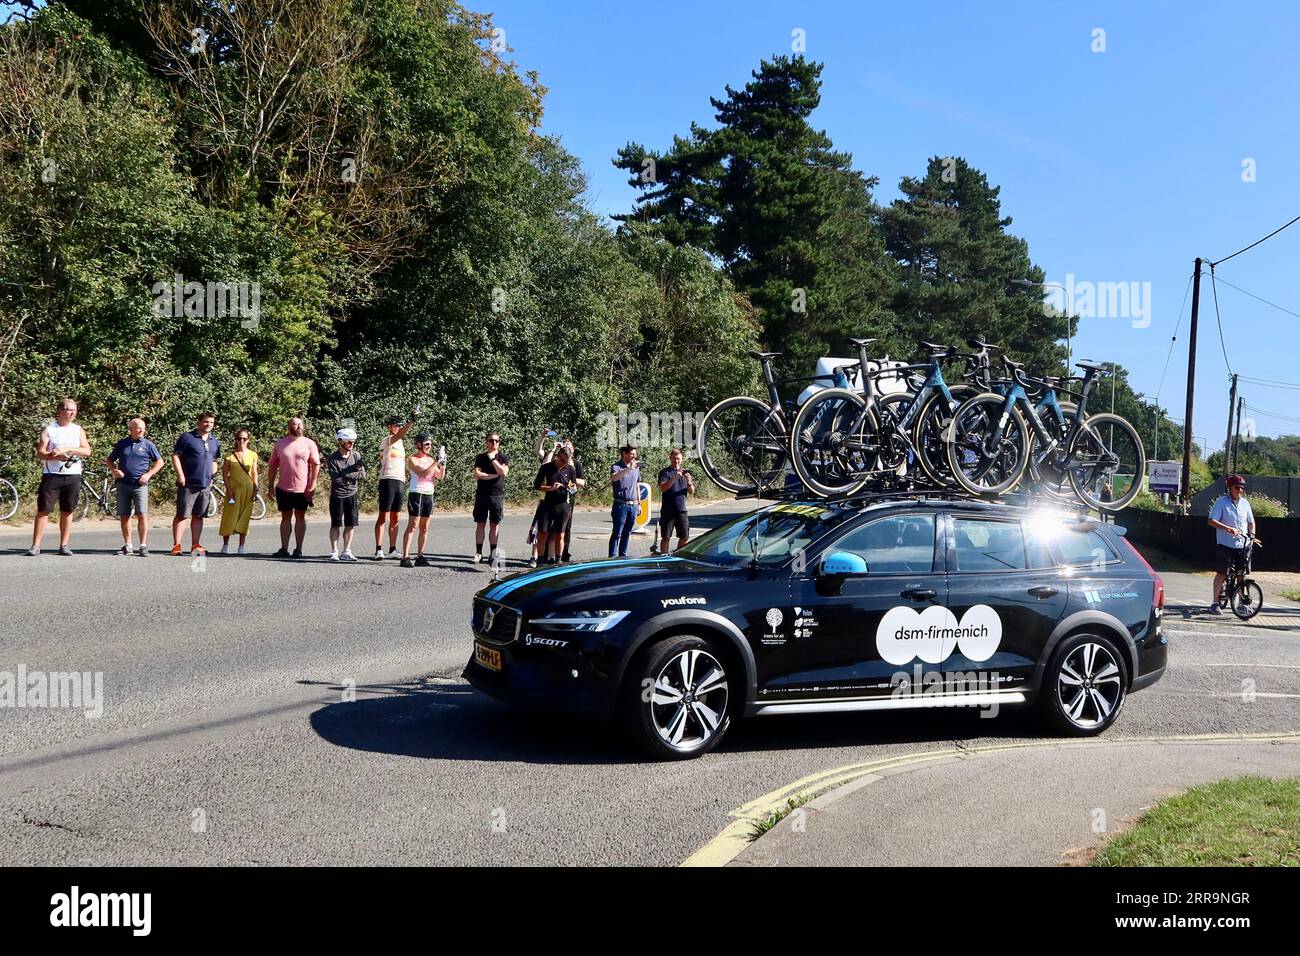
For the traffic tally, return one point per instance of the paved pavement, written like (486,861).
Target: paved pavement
(228,734)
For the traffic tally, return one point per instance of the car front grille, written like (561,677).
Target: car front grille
(505,622)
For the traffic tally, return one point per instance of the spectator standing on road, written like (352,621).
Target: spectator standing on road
(624,475)
(61,447)
(346,470)
(239,475)
(579,482)
(292,471)
(392,481)
(426,472)
(544,456)
(554,480)
(675,483)
(194,459)
(133,462)
(491,466)
(1234,524)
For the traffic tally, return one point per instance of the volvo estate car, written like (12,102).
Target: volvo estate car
(805,607)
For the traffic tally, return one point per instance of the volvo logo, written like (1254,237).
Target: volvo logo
(489,616)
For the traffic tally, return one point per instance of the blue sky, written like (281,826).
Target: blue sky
(1116,166)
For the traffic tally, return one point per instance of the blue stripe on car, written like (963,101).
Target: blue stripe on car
(506,587)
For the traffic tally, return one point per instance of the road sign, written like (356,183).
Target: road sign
(1164,476)
(643,508)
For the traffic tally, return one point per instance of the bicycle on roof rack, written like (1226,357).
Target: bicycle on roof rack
(999,436)
(844,439)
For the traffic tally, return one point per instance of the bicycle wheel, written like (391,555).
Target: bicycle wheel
(834,443)
(1052,480)
(1106,453)
(930,433)
(978,465)
(85,501)
(215,493)
(1247,599)
(897,455)
(8,499)
(742,445)
(259,507)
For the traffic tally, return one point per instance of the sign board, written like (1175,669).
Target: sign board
(1164,476)
(643,507)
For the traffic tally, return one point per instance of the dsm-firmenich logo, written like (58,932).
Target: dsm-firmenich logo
(75,908)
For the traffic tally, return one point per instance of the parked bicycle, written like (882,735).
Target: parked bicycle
(1243,594)
(219,497)
(96,492)
(8,494)
(998,436)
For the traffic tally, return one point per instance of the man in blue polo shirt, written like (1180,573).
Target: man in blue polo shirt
(623,476)
(133,462)
(195,459)
(1233,522)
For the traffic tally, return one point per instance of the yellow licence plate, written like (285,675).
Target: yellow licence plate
(489,657)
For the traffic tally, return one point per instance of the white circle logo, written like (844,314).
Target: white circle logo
(932,634)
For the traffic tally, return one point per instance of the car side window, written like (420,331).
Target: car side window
(902,544)
(1084,549)
(989,545)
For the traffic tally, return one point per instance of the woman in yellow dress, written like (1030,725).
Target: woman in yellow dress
(239,472)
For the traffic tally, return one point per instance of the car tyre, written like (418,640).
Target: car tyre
(678,696)
(1084,685)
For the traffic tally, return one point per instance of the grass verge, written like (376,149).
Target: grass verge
(1246,821)
(760,825)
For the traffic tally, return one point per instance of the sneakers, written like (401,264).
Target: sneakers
(379,554)
(143,551)
(297,552)
(478,557)
(532,562)
(177,550)
(242,550)
(32,552)
(1215,609)
(334,556)
(198,549)
(347,556)
(421,561)
(392,552)
(225,549)
(407,563)
(282,553)
(124,550)
(65,551)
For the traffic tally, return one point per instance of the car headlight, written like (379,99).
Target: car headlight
(580,620)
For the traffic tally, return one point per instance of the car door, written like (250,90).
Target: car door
(838,629)
(1005,596)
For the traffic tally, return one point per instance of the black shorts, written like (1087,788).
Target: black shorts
(292,500)
(553,517)
(670,522)
(1232,558)
(344,511)
(58,489)
(419,506)
(489,509)
(391,491)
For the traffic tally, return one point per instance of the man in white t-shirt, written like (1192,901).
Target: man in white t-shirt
(61,447)
(1233,522)
(392,481)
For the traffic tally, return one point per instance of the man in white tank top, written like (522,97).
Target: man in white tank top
(61,448)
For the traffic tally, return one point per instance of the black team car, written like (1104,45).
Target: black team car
(813,606)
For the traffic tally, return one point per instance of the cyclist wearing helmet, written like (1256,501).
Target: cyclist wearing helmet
(1234,525)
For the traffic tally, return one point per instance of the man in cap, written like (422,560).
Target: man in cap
(392,481)
(1234,524)
(346,470)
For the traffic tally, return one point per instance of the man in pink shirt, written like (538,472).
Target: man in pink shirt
(292,472)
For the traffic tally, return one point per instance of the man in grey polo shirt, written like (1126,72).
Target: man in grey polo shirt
(624,475)
(134,461)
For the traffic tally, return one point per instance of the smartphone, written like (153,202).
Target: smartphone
(551,433)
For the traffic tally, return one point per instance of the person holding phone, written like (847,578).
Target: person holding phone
(624,475)
(491,466)
(554,480)
(426,472)
(675,483)
(61,447)
(392,480)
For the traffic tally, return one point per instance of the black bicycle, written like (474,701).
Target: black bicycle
(1243,593)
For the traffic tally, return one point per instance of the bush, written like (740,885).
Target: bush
(1146,501)
(1266,507)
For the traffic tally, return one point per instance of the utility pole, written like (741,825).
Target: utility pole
(1227,442)
(1185,493)
(1236,439)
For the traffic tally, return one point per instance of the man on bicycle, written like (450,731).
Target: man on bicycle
(1234,526)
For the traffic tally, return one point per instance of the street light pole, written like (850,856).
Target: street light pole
(1069,315)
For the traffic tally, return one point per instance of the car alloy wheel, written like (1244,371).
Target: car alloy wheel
(689,700)
(1089,685)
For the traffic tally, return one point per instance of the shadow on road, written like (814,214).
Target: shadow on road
(449,720)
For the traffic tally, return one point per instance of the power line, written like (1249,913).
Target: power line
(1214,289)
(1260,298)
(1268,414)
(1174,338)
(1254,244)
(1268,383)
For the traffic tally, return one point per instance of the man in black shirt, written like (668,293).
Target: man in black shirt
(580,482)
(675,483)
(490,468)
(554,479)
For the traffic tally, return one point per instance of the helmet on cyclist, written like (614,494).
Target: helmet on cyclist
(1236,480)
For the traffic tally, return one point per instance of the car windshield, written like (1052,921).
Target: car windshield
(777,532)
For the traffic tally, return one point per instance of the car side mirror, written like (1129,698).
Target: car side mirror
(842,564)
